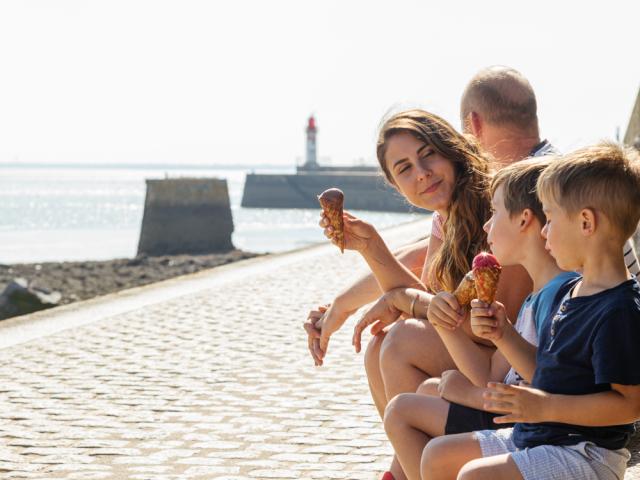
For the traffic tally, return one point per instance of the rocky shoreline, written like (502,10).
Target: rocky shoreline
(83,280)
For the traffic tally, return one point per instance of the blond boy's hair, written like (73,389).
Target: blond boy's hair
(519,181)
(604,177)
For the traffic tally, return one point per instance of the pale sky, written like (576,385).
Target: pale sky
(213,82)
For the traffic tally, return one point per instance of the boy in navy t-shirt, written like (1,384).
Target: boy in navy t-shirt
(575,419)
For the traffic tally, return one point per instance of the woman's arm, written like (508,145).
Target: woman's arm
(389,272)
(389,308)
(365,290)
(364,238)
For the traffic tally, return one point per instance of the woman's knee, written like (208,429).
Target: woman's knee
(400,342)
(394,339)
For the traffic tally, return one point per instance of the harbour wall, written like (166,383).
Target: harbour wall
(362,191)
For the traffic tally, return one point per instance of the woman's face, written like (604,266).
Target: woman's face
(421,174)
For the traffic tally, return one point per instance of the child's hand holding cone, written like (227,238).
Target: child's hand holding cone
(466,290)
(488,319)
(481,282)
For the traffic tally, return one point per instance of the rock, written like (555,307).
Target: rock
(20,298)
(140,259)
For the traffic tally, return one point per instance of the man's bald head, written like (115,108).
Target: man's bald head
(503,97)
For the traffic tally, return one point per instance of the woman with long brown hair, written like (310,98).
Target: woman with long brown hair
(436,168)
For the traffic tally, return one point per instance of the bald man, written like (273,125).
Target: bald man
(499,108)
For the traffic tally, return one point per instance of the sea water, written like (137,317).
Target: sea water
(71,212)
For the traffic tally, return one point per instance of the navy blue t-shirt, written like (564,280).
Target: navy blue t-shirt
(546,299)
(590,343)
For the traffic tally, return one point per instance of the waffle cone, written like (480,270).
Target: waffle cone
(486,279)
(332,201)
(466,290)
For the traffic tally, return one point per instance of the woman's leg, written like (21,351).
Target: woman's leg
(377,363)
(411,420)
(376,386)
(374,376)
(411,352)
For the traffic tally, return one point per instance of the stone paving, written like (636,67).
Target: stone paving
(216,384)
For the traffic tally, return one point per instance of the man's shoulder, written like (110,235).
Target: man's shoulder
(544,148)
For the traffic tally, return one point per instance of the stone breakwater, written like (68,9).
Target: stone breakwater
(363,191)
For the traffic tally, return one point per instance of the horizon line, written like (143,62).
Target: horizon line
(188,166)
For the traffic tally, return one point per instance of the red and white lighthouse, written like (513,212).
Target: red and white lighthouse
(312,161)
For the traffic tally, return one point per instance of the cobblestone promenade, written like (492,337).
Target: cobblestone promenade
(212,381)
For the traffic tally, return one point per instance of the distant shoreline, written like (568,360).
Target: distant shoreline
(160,166)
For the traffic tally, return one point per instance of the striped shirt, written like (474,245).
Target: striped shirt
(630,258)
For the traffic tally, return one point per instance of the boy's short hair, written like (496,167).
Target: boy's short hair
(605,177)
(519,181)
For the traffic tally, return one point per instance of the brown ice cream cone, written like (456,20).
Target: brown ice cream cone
(466,290)
(486,283)
(332,201)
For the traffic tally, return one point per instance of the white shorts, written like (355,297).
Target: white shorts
(584,461)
